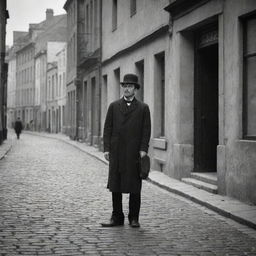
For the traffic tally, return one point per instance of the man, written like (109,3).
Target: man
(18,127)
(126,138)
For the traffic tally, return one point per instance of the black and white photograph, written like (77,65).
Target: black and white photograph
(128,127)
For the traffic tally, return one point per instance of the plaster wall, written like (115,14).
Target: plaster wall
(11,83)
(240,154)
(181,87)
(150,16)
(52,49)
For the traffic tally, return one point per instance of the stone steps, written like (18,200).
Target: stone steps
(203,181)
(208,177)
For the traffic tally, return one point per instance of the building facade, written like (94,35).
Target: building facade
(143,50)
(11,89)
(30,53)
(54,94)
(3,72)
(40,90)
(212,93)
(195,61)
(25,84)
(51,102)
(71,7)
(84,69)
(55,31)
(62,89)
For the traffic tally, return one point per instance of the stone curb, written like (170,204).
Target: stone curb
(6,148)
(180,189)
(207,205)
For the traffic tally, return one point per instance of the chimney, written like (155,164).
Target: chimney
(49,14)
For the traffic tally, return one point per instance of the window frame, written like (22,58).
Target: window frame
(133,7)
(114,14)
(245,57)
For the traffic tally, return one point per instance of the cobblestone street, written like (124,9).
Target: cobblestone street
(53,198)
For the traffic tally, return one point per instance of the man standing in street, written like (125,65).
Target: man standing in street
(18,127)
(126,139)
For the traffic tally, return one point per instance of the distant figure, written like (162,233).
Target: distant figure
(18,127)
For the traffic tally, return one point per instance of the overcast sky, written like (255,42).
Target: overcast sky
(23,12)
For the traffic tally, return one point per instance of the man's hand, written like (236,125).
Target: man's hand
(106,155)
(142,153)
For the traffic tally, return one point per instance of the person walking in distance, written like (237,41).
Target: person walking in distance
(18,127)
(126,138)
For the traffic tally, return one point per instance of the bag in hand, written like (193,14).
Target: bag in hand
(144,167)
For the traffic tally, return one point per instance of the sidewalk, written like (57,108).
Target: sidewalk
(228,207)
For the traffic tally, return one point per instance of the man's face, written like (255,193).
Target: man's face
(129,90)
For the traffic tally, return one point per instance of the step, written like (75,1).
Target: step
(208,177)
(201,184)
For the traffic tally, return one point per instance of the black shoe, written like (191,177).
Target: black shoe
(112,223)
(134,224)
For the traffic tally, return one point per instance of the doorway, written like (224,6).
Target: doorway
(206,108)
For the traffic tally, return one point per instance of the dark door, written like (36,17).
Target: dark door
(206,108)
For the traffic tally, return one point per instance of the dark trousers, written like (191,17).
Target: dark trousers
(134,206)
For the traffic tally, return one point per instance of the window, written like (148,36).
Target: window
(104,95)
(53,87)
(49,88)
(87,18)
(249,63)
(117,83)
(95,20)
(159,124)
(114,15)
(132,7)
(60,85)
(91,25)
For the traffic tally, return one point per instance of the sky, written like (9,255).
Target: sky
(23,12)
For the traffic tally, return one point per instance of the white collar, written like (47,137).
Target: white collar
(130,99)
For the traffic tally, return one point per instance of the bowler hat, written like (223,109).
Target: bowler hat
(131,79)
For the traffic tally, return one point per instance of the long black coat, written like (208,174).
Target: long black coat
(126,132)
(18,127)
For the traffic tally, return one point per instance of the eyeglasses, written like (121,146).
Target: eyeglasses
(128,86)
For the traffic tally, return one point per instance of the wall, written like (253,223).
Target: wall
(240,154)
(150,13)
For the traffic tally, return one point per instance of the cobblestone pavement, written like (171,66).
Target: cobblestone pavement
(53,198)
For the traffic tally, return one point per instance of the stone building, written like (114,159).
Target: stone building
(62,88)
(211,96)
(55,31)
(25,82)
(83,69)
(51,100)
(19,40)
(4,15)
(29,51)
(195,60)
(54,95)
(11,88)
